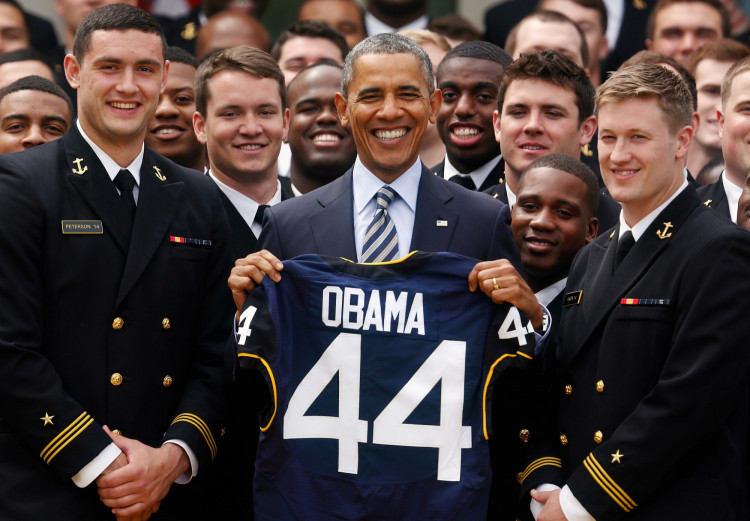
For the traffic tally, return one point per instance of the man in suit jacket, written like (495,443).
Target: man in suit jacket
(647,300)
(545,106)
(469,77)
(724,194)
(114,300)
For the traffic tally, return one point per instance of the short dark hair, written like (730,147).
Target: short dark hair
(555,68)
(723,50)
(179,55)
(480,51)
(659,58)
(37,83)
(245,59)
(387,43)
(456,27)
(726,26)
(549,17)
(115,17)
(22,55)
(312,29)
(599,5)
(573,167)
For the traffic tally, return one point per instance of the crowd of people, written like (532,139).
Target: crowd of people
(381,267)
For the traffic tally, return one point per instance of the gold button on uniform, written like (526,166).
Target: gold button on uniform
(115,379)
(598,437)
(568,389)
(600,386)
(165,323)
(167,381)
(563,439)
(117,432)
(519,477)
(524,435)
(118,323)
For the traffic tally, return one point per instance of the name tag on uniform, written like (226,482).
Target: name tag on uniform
(75,227)
(573,298)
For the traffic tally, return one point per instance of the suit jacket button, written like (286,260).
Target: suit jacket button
(117,432)
(165,323)
(568,389)
(115,379)
(563,439)
(118,323)
(167,381)
(598,437)
(524,435)
(600,386)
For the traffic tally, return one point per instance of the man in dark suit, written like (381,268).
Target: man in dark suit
(469,77)
(545,106)
(114,300)
(724,194)
(242,129)
(552,220)
(648,301)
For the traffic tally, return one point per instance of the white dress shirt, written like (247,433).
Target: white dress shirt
(246,207)
(733,193)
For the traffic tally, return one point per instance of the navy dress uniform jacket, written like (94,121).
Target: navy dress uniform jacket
(653,373)
(322,222)
(97,329)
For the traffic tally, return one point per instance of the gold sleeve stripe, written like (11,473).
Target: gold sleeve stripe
(486,387)
(265,427)
(67,435)
(608,484)
(199,424)
(541,462)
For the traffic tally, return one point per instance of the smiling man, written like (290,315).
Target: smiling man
(387,98)
(469,78)
(322,149)
(112,285)
(33,110)
(171,130)
(648,300)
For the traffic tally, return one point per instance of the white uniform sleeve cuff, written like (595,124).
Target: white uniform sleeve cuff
(535,506)
(572,508)
(189,474)
(96,466)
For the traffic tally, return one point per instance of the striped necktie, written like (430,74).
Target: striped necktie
(381,239)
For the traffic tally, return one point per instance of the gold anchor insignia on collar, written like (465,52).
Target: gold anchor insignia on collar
(159,175)
(611,235)
(586,151)
(190,31)
(662,234)
(80,170)
(708,202)
(639,4)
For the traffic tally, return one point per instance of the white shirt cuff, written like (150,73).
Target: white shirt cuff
(189,474)
(535,506)
(96,466)
(572,508)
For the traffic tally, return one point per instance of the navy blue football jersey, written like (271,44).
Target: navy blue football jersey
(380,377)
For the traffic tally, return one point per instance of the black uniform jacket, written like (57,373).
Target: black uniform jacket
(101,329)
(654,373)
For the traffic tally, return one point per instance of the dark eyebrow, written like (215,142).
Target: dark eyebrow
(24,117)
(53,119)
(307,100)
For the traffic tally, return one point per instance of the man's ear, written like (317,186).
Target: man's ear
(587,129)
(436,99)
(72,71)
(199,127)
(592,228)
(285,130)
(341,106)
(496,124)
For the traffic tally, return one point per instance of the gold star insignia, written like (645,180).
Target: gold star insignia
(47,419)
(616,457)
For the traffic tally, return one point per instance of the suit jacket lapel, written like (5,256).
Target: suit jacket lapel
(434,222)
(157,204)
(93,183)
(496,176)
(332,227)
(603,290)
(243,240)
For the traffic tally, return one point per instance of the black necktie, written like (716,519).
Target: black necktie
(464,180)
(259,214)
(125,182)
(624,244)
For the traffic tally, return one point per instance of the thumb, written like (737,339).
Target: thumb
(120,441)
(540,497)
